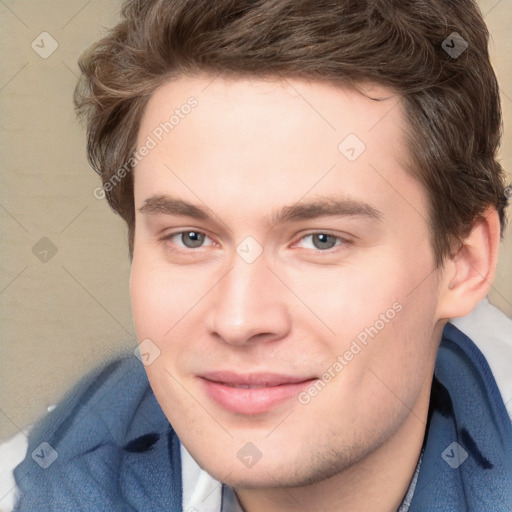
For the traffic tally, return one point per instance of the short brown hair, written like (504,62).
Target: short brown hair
(451,101)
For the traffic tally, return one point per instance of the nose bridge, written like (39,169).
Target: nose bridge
(247,302)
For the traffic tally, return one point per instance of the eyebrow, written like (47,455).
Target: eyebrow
(164,204)
(326,206)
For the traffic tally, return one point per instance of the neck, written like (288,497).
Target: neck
(379,482)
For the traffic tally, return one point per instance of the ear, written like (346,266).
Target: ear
(468,274)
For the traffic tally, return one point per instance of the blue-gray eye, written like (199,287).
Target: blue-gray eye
(323,240)
(192,239)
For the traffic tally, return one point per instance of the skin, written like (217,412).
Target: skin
(249,148)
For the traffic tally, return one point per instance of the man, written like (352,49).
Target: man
(312,192)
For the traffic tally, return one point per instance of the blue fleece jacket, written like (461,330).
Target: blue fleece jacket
(109,447)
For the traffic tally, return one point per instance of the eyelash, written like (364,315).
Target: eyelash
(342,241)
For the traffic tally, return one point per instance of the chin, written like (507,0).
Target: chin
(284,470)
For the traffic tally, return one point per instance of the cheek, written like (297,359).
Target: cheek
(379,373)
(160,296)
(349,298)
(382,322)
(159,310)
(145,299)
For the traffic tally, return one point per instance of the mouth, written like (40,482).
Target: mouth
(252,393)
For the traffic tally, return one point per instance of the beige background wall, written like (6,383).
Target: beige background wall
(61,316)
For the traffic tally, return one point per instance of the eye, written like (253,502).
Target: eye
(188,239)
(322,241)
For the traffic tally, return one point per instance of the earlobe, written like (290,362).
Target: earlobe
(469,273)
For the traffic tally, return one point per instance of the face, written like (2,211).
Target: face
(282,276)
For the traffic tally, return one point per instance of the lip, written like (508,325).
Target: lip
(252,393)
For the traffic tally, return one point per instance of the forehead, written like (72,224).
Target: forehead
(276,103)
(278,139)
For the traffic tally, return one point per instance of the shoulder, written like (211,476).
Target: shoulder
(106,429)
(491,331)
(104,396)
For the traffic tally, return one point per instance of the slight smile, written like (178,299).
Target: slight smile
(252,393)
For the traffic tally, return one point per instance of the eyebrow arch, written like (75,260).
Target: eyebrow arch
(326,206)
(164,204)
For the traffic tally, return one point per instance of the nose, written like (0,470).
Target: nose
(248,305)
